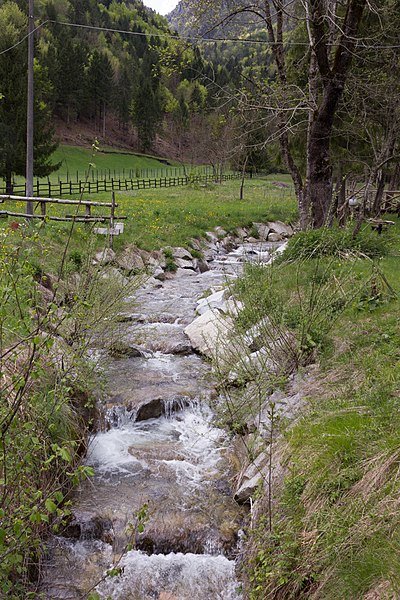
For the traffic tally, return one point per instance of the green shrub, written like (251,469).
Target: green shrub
(75,257)
(170,265)
(330,242)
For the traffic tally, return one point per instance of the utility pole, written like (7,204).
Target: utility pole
(29,121)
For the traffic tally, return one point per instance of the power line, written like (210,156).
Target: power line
(200,39)
(197,39)
(24,38)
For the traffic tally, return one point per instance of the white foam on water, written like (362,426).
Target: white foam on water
(183,576)
(189,433)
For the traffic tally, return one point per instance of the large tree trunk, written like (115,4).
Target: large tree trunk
(376,209)
(333,72)
(319,184)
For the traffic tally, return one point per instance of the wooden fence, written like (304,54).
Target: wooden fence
(42,203)
(390,198)
(70,188)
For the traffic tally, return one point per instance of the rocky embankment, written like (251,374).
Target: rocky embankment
(178,262)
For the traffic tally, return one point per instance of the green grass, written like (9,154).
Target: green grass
(159,218)
(336,526)
(75,161)
(170,217)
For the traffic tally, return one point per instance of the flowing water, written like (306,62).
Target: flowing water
(169,462)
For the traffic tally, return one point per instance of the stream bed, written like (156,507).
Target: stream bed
(177,466)
(168,461)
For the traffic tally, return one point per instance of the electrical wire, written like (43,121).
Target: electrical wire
(196,39)
(24,38)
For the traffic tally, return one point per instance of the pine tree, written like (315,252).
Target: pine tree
(146,112)
(13,69)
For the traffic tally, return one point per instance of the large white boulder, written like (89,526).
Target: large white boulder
(209,333)
(214,301)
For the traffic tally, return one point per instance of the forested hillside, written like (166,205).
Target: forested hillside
(111,70)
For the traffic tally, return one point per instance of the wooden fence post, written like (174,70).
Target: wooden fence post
(111,231)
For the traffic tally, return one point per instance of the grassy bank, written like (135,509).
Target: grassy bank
(335,522)
(52,302)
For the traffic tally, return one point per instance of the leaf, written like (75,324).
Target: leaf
(59,496)
(35,517)
(65,455)
(50,506)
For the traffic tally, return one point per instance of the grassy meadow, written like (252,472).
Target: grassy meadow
(170,217)
(106,162)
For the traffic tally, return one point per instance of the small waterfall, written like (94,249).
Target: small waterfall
(118,416)
(178,404)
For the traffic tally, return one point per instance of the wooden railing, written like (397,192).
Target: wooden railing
(42,203)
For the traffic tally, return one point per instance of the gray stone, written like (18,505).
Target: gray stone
(208,334)
(202,266)
(242,233)
(89,526)
(156,407)
(153,409)
(46,294)
(181,253)
(158,257)
(252,240)
(196,244)
(159,274)
(211,237)
(124,350)
(105,257)
(252,478)
(183,263)
(146,256)
(281,228)
(285,406)
(228,243)
(131,259)
(258,334)
(263,231)
(275,237)
(214,301)
(114,274)
(184,272)
(220,232)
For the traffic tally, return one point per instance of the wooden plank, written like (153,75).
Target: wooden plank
(94,217)
(54,200)
(82,218)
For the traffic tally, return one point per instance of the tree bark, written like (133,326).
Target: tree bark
(333,78)
(319,185)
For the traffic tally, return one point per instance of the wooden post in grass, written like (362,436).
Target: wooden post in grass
(110,238)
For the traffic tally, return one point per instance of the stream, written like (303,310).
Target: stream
(167,461)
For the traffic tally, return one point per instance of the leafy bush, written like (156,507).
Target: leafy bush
(170,265)
(330,242)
